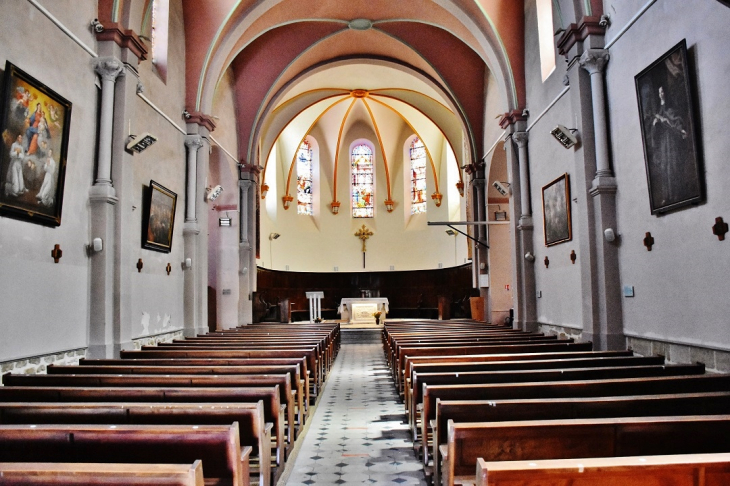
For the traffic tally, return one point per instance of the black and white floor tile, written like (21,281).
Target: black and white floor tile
(359,433)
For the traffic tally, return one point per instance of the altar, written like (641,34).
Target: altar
(361,310)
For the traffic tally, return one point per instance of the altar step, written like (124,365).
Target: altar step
(361,336)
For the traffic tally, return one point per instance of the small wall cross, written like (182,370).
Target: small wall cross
(140,264)
(648,241)
(168,268)
(719,228)
(573,256)
(56,253)
(547,262)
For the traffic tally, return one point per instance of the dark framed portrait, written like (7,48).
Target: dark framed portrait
(556,211)
(668,131)
(159,219)
(35,128)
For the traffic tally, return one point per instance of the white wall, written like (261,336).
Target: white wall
(681,286)
(37,297)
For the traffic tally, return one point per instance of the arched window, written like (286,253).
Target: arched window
(363,181)
(418,176)
(545,37)
(304,178)
(160,31)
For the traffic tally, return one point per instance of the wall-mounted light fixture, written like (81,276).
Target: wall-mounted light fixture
(502,187)
(140,143)
(224,221)
(565,136)
(212,193)
(274,236)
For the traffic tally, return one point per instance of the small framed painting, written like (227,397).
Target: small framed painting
(668,132)
(35,128)
(556,211)
(159,220)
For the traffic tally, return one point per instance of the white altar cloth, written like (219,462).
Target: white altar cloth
(362,309)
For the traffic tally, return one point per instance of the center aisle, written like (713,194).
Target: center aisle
(357,434)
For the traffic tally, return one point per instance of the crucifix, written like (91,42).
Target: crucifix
(363,233)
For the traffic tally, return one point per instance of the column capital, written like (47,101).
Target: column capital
(193,142)
(521,138)
(594,60)
(108,68)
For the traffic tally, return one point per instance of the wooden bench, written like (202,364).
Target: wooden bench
(313,363)
(559,346)
(301,362)
(566,373)
(274,411)
(253,431)
(458,411)
(217,446)
(302,394)
(411,361)
(677,470)
(94,474)
(572,389)
(532,440)
(170,381)
(424,370)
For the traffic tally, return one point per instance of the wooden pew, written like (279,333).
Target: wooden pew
(411,361)
(677,470)
(134,369)
(253,431)
(559,346)
(171,381)
(217,446)
(531,440)
(572,389)
(712,403)
(424,370)
(301,362)
(565,373)
(274,411)
(401,350)
(155,352)
(95,474)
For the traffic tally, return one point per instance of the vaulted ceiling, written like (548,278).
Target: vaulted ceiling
(428,59)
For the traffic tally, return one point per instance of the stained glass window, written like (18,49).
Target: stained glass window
(363,182)
(304,179)
(418,176)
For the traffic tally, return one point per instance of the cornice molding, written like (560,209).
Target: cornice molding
(512,117)
(201,119)
(125,38)
(579,32)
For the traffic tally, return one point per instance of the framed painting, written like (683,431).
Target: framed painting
(556,211)
(668,132)
(35,128)
(159,218)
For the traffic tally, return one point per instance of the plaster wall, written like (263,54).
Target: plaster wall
(558,285)
(223,257)
(156,297)
(681,286)
(324,241)
(39,297)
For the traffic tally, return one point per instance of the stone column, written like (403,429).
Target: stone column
(607,330)
(191,230)
(102,198)
(525,229)
(247,244)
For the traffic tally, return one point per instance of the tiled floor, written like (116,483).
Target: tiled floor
(357,434)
